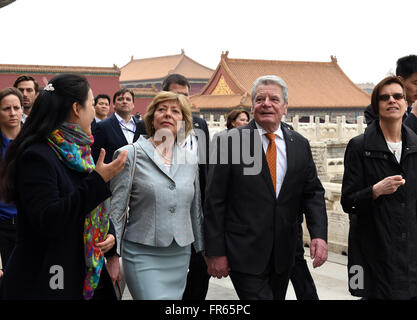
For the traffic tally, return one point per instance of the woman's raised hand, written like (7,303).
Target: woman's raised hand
(108,171)
(387,186)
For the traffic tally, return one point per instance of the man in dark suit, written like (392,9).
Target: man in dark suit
(30,90)
(102,108)
(111,134)
(117,130)
(261,177)
(198,142)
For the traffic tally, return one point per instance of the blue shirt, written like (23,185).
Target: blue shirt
(7,210)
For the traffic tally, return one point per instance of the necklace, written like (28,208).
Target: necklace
(168,160)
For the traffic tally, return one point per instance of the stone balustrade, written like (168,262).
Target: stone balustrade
(312,130)
(338,221)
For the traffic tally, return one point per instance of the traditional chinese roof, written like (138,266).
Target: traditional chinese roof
(310,84)
(160,67)
(37,69)
(219,101)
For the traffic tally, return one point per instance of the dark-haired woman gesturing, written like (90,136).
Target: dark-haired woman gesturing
(61,197)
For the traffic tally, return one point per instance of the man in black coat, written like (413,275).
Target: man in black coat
(117,130)
(111,134)
(102,108)
(255,191)
(197,142)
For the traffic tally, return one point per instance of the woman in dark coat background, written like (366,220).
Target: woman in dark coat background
(379,193)
(11,100)
(61,197)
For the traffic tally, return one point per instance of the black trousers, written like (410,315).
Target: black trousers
(197,278)
(7,240)
(302,281)
(105,289)
(265,286)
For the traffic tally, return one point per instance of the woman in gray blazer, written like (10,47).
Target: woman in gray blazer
(160,182)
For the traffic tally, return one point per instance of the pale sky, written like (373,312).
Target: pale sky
(366,36)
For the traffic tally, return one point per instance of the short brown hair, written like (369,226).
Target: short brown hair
(26,78)
(162,96)
(121,92)
(11,91)
(379,86)
(233,116)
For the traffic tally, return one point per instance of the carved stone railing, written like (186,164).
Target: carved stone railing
(313,130)
(338,221)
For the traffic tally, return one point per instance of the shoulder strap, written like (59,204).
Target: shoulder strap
(132,173)
(125,214)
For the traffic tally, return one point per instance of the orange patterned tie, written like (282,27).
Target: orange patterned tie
(271,157)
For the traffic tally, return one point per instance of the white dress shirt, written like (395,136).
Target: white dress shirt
(128,128)
(191,143)
(281,166)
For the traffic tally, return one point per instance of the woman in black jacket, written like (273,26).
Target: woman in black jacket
(61,197)
(11,100)
(379,193)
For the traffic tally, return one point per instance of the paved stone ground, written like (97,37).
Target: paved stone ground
(330,279)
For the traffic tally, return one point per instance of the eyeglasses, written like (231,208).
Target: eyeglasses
(396,96)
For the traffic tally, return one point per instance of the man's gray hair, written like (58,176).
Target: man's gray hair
(270,79)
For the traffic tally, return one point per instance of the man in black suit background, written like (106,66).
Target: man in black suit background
(111,134)
(198,142)
(261,177)
(101,108)
(117,130)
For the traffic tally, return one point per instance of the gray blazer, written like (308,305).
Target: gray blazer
(164,204)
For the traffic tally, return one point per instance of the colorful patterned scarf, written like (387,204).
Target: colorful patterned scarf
(73,147)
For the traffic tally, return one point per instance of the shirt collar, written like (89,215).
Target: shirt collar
(123,121)
(277,132)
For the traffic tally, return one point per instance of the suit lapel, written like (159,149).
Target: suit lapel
(119,133)
(266,175)
(291,151)
(150,151)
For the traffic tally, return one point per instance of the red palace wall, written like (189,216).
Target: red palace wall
(99,84)
(141,104)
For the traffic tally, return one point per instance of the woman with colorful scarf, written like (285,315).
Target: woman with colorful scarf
(61,197)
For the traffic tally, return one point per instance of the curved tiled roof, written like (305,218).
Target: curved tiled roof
(38,69)
(151,92)
(220,101)
(310,84)
(160,67)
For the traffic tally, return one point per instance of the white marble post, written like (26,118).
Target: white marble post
(359,123)
(339,122)
(295,122)
(222,122)
(317,128)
